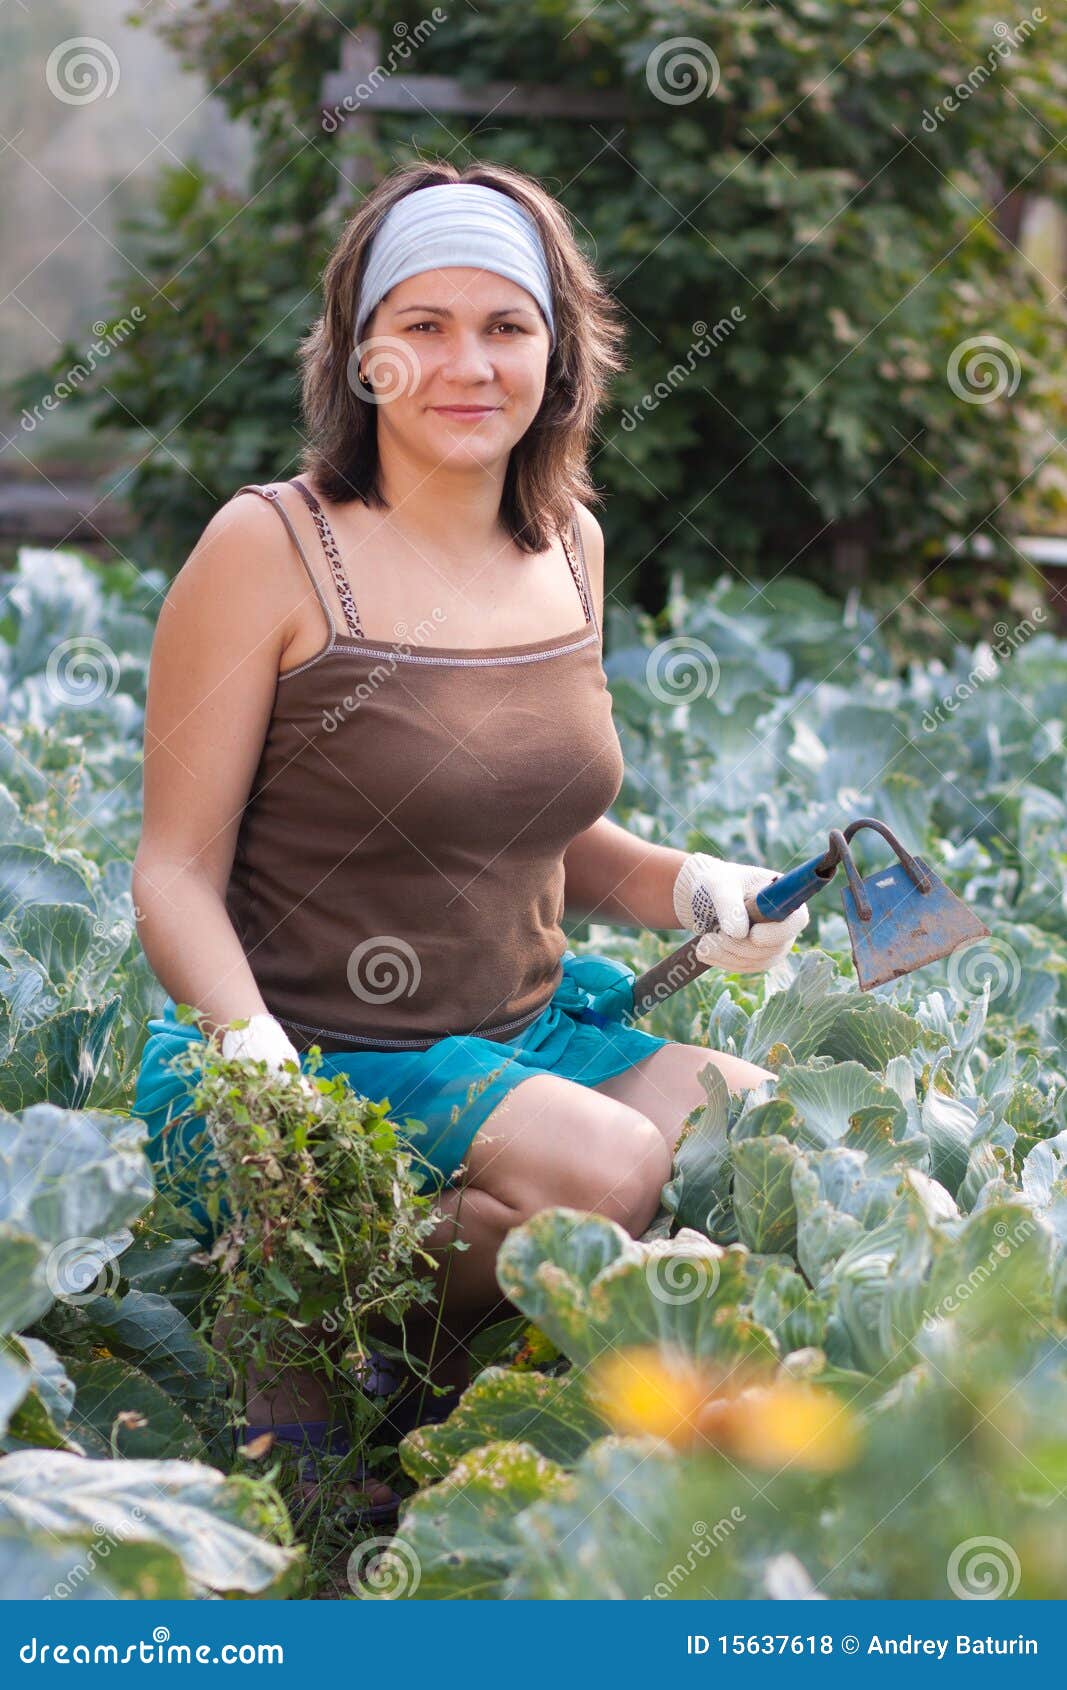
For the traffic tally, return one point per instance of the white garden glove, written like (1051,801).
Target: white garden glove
(265,1040)
(709,898)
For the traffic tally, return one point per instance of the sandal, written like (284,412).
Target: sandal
(416,1406)
(319,1443)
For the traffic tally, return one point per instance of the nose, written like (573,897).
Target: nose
(467,358)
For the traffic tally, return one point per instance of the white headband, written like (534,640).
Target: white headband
(462,224)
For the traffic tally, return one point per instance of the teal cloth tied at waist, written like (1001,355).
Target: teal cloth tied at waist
(596,989)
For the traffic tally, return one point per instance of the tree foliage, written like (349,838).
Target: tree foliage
(801,228)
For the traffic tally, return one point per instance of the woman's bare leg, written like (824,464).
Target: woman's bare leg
(612,1157)
(666,1086)
(550,1141)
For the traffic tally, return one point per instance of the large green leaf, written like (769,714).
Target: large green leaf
(635,1524)
(591,1287)
(14,1383)
(107,1391)
(56,1060)
(457,1540)
(949,1124)
(50,1379)
(815,1016)
(862,1029)
(149,1331)
(763,1193)
(848,1181)
(826,1099)
(698,1191)
(1044,1168)
(881,1288)
(786,1017)
(41,1417)
(224,1531)
(66,1177)
(992,1273)
(36,1568)
(60,936)
(504,1405)
(849,1188)
(790,1311)
(28,876)
(24,1293)
(165,1267)
(824,1233)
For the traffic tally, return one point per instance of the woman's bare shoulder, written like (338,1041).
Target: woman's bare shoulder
(243,557)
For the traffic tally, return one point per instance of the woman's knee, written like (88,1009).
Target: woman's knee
(621,1175)
(553,1142)
(740,1076)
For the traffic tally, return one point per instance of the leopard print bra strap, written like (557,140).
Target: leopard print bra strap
(329,546)
(572,545)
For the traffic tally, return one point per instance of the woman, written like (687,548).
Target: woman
(379,745)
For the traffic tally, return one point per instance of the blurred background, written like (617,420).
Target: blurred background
(837,231)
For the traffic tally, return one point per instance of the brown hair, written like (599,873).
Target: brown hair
(548,467)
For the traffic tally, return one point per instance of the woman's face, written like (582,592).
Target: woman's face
(456,359)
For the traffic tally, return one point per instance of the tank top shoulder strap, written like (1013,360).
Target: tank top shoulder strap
(575,550)
(273,497)
(333,557)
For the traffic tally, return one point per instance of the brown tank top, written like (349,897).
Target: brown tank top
(398,873)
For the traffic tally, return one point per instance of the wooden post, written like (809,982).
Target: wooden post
(360,57)
(375,78)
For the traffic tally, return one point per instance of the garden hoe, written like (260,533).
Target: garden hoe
(898,920)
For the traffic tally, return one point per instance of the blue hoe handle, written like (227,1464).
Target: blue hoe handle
(773,903)
(789,891)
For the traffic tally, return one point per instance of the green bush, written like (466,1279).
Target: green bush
(837,232)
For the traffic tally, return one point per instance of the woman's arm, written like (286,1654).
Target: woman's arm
(224,625)
(613,876)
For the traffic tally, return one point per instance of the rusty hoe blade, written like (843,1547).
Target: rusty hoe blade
(900,926)
(898,920)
